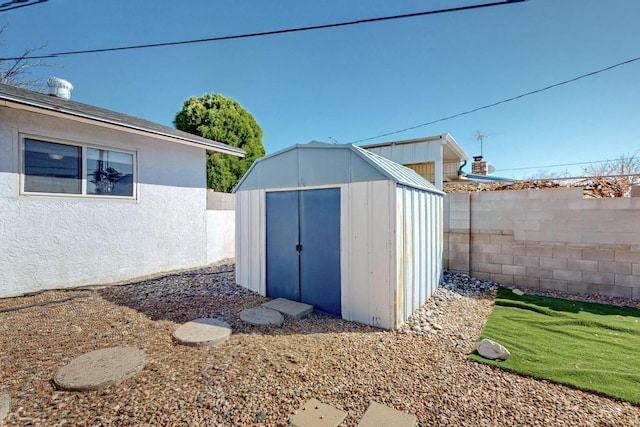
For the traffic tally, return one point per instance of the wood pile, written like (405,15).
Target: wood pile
(593,187)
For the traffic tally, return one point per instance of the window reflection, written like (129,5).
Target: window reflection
(52,168)
(109,172)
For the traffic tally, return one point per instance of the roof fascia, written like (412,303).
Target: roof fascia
(453,145)
(90,119)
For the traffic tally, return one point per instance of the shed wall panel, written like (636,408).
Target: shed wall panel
(250,240)
(367,253)
(419,246)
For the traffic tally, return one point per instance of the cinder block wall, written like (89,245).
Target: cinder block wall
(551,239)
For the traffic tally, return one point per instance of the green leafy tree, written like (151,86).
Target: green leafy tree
(222,119)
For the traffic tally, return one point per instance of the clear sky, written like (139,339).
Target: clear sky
(361,81)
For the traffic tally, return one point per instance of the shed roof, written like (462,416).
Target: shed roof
(318,163)
(24,99)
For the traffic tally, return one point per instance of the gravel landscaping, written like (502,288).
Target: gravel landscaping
(261,375)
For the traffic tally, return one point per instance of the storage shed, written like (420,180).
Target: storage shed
(350,232)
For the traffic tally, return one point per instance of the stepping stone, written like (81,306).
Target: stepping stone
(378,415)
(317,414)
(290,308)
(202,332)
(261,316)
(5,403)
(99,369)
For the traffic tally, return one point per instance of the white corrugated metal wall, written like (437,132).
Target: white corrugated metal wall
(419,249)
(391,248)
(368,252)
(251,240)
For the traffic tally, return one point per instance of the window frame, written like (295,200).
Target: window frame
(83,169)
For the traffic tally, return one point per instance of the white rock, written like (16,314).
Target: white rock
(517,292)
(492,350)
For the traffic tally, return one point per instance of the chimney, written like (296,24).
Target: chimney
(478,167)
(60,88)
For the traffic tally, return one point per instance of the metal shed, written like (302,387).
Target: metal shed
(352,233)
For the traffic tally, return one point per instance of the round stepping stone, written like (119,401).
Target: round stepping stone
(261,316)
(201,332)
(99,369)
(5,403)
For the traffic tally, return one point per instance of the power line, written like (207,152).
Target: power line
(568,164)
(270,33)
(15,4)
(484,107)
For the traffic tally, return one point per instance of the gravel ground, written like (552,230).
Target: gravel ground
(260,376)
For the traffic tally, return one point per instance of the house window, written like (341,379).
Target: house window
(109,172)
(57,168)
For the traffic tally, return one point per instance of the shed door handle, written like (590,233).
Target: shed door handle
(299,247)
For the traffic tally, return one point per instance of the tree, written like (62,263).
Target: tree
(613,178)
(15,72)
(222,119)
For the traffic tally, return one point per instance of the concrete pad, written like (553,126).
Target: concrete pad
(5,403)
(317,414)
(378,415)
(202,332)
(99,369)
(289,308)
(261,316)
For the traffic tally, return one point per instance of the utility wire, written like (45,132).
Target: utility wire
(270,33)
(484,107)
(15,4)
(566,164)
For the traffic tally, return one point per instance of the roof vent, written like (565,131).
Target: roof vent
(60,88)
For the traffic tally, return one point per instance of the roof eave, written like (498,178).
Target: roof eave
(18,103)
(455,147)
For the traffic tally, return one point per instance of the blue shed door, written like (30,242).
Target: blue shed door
(303,247)
(283,261)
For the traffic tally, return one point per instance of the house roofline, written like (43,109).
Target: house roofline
(19,103)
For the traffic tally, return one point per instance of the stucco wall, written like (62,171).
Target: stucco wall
(60,242)
(552,239)
(221,235)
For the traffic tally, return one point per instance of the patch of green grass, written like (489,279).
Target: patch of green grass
(590,346)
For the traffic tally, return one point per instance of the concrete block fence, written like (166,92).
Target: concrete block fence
(551,239)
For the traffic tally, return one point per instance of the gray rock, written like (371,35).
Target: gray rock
(492,350)
(517,291)
(5,403)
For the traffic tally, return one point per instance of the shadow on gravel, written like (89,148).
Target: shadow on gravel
(212,293)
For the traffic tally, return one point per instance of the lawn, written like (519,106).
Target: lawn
(590,346)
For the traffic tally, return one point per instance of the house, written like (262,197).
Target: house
(437,158)
(90,196)
(338,227)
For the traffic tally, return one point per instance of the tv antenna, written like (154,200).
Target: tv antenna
(481,137)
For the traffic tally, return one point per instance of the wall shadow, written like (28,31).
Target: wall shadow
(212,293)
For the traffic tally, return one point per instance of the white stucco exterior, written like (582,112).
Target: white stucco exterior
(221,235)
(65,241)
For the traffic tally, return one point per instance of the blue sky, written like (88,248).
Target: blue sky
(357,82)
